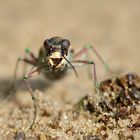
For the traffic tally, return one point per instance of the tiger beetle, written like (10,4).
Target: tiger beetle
(55,57)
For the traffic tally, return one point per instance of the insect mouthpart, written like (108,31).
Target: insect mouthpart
(56,60)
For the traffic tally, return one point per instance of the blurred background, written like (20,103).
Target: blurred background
(113,27)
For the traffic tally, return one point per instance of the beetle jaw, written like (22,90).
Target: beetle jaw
(56,61)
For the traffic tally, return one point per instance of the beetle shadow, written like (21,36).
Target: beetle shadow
(6,86)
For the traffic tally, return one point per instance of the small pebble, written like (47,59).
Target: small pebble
(31,138)
(20,136)
(91,137)
(43,137)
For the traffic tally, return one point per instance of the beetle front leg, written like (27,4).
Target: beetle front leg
(17,65)
(28,76)
(12,88)
(32,58)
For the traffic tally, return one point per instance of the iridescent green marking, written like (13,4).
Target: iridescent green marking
(27,50)
(97,85)
(106,66)
(88,46)
(25,78)
(90,62)
(19,59)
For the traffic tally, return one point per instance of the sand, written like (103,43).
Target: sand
(111,26)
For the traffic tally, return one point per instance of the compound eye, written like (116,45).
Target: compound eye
(65,43)
(47,46)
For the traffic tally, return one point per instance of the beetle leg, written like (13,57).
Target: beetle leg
(28,51)
(96,84)
(85,50)
(12,87)
(32,58)
(28,76)
(16,68)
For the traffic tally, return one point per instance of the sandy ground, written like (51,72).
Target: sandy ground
(111,26)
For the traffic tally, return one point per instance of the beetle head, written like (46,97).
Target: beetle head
(56,49)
